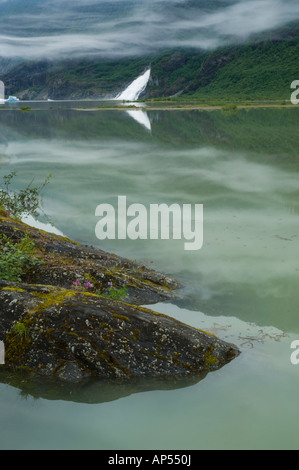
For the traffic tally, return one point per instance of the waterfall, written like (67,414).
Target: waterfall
(134,90)
(132,93)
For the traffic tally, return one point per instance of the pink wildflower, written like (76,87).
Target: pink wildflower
(88,284)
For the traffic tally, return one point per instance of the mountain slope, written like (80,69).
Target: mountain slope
(262,70)
(73,79)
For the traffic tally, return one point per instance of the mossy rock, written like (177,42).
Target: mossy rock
(54,331)
(64,261)
(75,335)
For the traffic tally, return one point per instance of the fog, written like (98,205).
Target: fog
(118,28)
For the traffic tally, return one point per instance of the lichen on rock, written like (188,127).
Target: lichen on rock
(54,330)
(63,261)
(74,335)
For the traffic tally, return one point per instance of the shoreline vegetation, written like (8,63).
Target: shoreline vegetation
(75,313)
(155,105)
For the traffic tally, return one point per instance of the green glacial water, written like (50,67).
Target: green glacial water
(241,285)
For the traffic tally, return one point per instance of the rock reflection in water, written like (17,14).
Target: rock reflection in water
(90,391)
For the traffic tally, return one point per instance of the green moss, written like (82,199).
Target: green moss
(93,280)
(146,310)
(209,359)
(206,332)
(175,359)
(20,329)
(17,342)
(4,215)
(17,289)
(121,317)
(156,355)
(90,294)
(113,363)
(139,283)
(135,334)
(53,298)
(60,238)
(74,334)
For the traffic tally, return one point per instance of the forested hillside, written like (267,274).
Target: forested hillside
(260,70)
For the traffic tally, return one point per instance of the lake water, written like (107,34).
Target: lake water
(241,285)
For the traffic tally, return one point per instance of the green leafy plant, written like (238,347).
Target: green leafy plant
(115,293)
(16,259)
(20,330)
(24,202)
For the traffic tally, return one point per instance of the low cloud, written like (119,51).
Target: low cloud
(118,28)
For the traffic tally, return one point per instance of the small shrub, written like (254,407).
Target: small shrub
(24,202)
(114,293)
(111,292)
(20,329)
(16,258)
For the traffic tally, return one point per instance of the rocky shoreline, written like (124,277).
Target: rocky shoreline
(54,328)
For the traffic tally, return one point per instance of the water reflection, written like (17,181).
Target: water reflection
(243,168)
(90,391)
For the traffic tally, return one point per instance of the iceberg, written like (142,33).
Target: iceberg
(2,94)
(12,98)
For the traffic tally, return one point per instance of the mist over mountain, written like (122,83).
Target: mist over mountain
(74,49)
(53,29)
